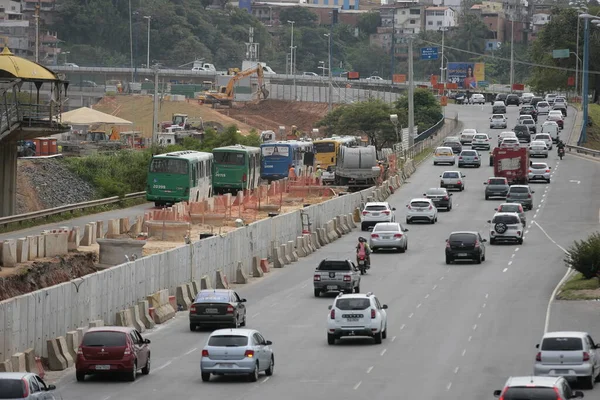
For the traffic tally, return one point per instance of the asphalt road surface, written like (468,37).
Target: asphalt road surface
(455,331)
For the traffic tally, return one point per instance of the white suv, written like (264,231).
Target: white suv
(376,212)
(506,227)
(353,315)
(421,210)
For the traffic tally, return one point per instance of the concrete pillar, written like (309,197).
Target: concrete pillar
(8,178)
(113,251)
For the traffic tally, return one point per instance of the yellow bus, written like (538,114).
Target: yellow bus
(327,149)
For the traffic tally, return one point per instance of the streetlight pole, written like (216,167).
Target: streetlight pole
(131,40)
(37,32)
(586,63)
(292,58)
(442,65)
(411,94)
(577,60)
(330,96)
(512,53)
(155,109)
(149,18)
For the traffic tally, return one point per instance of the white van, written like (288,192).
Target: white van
(552,129)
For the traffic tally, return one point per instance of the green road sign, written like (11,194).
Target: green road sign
(562,53)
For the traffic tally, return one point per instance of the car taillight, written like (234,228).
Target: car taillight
(547,170)
(477,243)
(557,393)
(127,351)
(365,212)
(374,235)
(459,182)
(447,244)
(249,353)
(373,313)
(529,171)
(347,278)
(409,207)
(317,278)
(229,309)
(26,388)
(386,212)
(204,353)
(332,314)
(529,195)
(446,198)
(586,356)
(431,207)
(538,357)
(441,183)
(476,158)
(79,351)
(518,233)
(460,158)
(193,309)
(244,178)
(398,235)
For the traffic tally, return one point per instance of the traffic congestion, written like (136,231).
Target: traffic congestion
(451,307)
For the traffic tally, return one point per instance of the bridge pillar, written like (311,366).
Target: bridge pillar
(8,178)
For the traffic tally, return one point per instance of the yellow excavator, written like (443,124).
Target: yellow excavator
(226,94)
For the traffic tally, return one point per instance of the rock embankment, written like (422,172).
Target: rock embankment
(47,183)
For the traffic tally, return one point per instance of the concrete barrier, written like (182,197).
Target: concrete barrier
(99,229)
(332,235)
(124,318)
(205,282)
(257,271)
(322,237)
(6,366)
(137,227)
(300,247)
(144,308)
(112,229)
(336,227)
(240,274)
(123,225)
(287,260)
(306,242)
(32,246)
(41,246)
(221,280)
(191,290)
(9,253)
(22,250)
(74,239)
(278,260)
(56,361)
(17,362)
(264,265)
(30,364)
(183,300)
(81,331)
(291,251)
(95,324)
(345,227)
(314,240)
(114,251)
(137,319)
(170,231)
(350,221)
(163,311)
(73,341)
(89,234)
(56,244)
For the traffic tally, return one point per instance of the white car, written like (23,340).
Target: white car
(498,121)
(506,227)
(481,141)
(510,142)
(453,180)
(444,155)
(542,107)
(539,172)
(375,212)
(477,98)
(466,137)
(309,74)
(374,78)
(506,134)
(544,137)
(421,209)
(538,150)
(551,128)
(355,315)
(526,98)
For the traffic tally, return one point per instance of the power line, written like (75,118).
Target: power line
(508,60)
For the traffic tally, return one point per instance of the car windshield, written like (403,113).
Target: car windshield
(462,237)
(562,344)
(542,137)
(519,190)
(376,208)
(510,208)
(450,175)
(386,228)
(497,181)
(228,341)
(469,132)
(104,339)
(542,104)
(330,265)
(480,136)
(469,153)
(530,393)
(538,147)
(505,219)
(229,158)
(453,144)
(436,192)
(419,204)
(539,166)
(212,297)
(528,121)
(353,304)
(12,389)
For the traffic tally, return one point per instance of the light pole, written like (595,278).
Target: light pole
(411,94)
(66,53)
(330,99)
(577,61)
(512,53)
(292,60)
(586,63)
(131,40)
(581,9)
(443,29)
(322,67)
(149,18)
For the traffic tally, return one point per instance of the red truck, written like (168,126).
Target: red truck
(512,164)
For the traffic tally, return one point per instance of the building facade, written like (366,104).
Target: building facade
(439,17)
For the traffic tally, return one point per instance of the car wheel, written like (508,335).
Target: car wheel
(236,323)
(453,163)
(243,323)
(132,374)
(520,241)
(205,376)
(432,221)
(448,260)
(483,258)
(461,189)
(317,292)
(434,163)
(146,369)
(589,381)
(377,337)
(478,261)
(269,371)
(402,249)
(407,221)
(80,376)
(492,241)
(548,181)
(384,334)
(363,227)
(253,377)
(487,197)
(357,289)
(330,339)
(193,327)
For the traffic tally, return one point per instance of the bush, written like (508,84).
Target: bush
(584,256)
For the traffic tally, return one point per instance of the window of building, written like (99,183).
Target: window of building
(412,21)
(439,13)
(415,11)
(439,23)
(403,12)
(429,22)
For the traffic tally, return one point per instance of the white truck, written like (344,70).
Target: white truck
(200,66)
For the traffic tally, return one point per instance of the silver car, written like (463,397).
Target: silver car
(237,352)
(542,107)
(469,157)
(389,236)
(539,172)
(453,180)
(25,385)
(538,150)
(481,141)
(573,355)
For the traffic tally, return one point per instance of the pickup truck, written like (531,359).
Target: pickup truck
(336,276)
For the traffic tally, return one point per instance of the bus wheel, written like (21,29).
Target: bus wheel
(158,204)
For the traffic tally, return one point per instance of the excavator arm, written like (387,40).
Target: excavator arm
(227,93)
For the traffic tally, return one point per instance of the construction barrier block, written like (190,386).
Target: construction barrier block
(144,308)
(96,323)
(240,274)
(32,246)
(41,240)
(89,230)
(257,272)
(307,245)
(278,261)
(300,247)
(137,319)
(17,361)
(291,251)
(191,292)
(99,229)
(163,310)
(56,361)
(74,238)
(221,280)
(321,237)
(6,366)
(351,222)
(73,341)
(30,365)
(287,260)
(182,297)
(112,229)
(173,302)
(205,282)
(314,240)
(80,333)
(9,253)
(123,225)
(264,265)
(22,251)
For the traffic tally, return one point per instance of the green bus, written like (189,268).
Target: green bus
(235,168)
(179,176)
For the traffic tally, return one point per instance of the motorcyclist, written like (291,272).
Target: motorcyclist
(560,144)
(363,249)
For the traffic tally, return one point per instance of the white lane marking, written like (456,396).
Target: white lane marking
(255,315)
(394,338)
(527,231)
(470,338)
(383,352)
(273,305)
(369,370)
(266,379)
(107,397)
(411,315)
(434,287)
(510,263)
(402,327)
(486,295)
(505,269)
(289,295)
(163,366)
(427,295)
(513,255)
(479,316)
(517,249)
(552,240)
(541,201)
(484,304)
(419,305)
(441,278)
(475,327)
(449,386)
(357,385)
(464,352)
(305,285)
(456,370)
(191,351)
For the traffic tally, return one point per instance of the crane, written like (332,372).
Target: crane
(226,94)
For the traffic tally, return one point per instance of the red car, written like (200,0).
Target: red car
(112,349)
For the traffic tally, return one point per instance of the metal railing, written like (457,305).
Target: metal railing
(431,131)
(583,150)
(435,139)
(69,208)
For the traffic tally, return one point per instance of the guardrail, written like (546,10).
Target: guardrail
(428,132)
(583,150)
(4,221)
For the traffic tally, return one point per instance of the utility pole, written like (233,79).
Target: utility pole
(330,96)
(37,33)
(442,64)
(292,58)
(148,17)
(512,53)
(131,40)
(155,111)
(411,93)
(392,47)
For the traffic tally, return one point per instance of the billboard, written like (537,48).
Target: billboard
(466,74)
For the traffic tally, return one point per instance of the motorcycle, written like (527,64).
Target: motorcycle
(561,152)
(363,264)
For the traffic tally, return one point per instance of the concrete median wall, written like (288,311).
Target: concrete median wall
(31,320)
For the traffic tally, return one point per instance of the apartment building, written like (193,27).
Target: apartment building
(492,15)
(14,29)
(268,13)
(439,17)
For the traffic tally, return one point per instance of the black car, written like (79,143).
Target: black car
(455,146)
(217,307)
(535,100)
(465,246)
(562,107)
(440,197)
(512,99)
(529,110)
(523,133)
(501,97)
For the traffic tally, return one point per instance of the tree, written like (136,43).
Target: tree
(428,111)
(301,16)
(584,256)
(369,22)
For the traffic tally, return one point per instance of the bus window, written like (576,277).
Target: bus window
(201,169)
(324,147)
(169,166)
(194,173)
(230,158)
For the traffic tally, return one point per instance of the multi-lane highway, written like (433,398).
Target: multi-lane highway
(455,331)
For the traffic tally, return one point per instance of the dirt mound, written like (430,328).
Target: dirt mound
(42,274)
(270,114)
